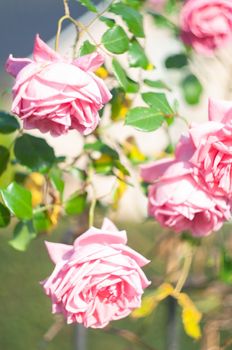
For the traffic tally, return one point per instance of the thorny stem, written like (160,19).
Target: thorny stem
(80,28)
(131,337)
(59,27)
(66,8)
(99,14)
(185,271)
(19,133)
(92,210)
(94,199)
(46,207)
(226,344)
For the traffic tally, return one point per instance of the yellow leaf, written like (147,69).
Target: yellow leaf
(132,150)
(149,303)
(119,192)
(54,214)
(34,183)
(123,112)
(191,317)
(102,73)
(103,159)
(55,211)
(162,154)
(123,103)
(150,66)
(151,300)
(164,291)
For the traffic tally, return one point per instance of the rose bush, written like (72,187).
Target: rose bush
(206,24)
(55,95)
(96,280)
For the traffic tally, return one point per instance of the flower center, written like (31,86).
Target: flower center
(109,294)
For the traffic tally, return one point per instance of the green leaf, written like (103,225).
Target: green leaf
(4,216)
(18,200)
(108,21)
(34,153)
(132,86)
(170,149)
(4,158)
(78,173)
(176,61)
(225,272)
(87,48)
(163,22)
(89,5)
(121,167)
(157,84)
(23,235)
(192,89)
(126,83)
(8,123)
(170,6)
(56,177)
(120,74)
(103,168)
(41,221)
(115,40)
(137,56)
(76,204)
(132,17)
(118,100)
(158,102)
(136,4)
(144,119)
(102,148)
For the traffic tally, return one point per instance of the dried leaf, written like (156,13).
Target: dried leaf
(34,183)
(191,317)
(151,300)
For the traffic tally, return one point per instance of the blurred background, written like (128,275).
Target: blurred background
(25,318)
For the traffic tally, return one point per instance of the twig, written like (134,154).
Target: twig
(185,271)
(92,209)
(66,8)
(131,337)
(99,14)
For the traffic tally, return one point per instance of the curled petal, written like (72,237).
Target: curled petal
(43,53)
(89,62)
(220,111)
(58,251)
(151,172)
(14,65)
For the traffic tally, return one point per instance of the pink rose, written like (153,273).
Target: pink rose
(206,24)
(96,280)
(178,201)
(56,95)
(212,152)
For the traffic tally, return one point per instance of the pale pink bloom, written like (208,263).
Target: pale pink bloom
(156,5)
(55,95)
(206,24)
(177,198)
(96,280)
(212,151)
